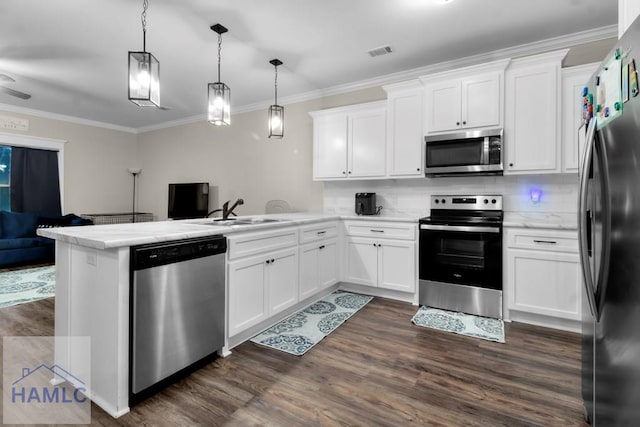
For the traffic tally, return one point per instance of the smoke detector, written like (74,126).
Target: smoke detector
(382,50)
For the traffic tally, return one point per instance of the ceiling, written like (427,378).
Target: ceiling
(71,55)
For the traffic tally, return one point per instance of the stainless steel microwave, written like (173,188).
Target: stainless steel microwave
(477,152)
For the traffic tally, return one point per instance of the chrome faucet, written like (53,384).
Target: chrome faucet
(226,211)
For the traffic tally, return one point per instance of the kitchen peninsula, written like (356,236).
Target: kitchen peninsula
(93,281)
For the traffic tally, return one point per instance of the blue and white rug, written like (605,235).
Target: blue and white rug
(29,284)
(460,323)
(302,330)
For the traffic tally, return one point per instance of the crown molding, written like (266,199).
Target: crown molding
(65,118)
(177,122)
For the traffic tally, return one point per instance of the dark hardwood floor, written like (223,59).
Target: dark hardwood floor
(376,369)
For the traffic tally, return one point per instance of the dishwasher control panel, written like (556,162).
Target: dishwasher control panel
(156,254)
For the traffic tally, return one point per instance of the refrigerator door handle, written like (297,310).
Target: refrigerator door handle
(583,219)
(602,281)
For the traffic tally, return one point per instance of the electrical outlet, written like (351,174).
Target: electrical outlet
(92,258)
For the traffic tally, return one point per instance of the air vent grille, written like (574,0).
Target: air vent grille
(382,50)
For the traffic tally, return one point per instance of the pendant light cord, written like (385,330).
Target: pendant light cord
(276,85)
(219,55)
(145,5)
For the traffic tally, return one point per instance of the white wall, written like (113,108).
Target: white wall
(411,198)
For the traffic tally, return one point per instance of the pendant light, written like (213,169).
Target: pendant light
(276,112)
(219,93)
(144,71)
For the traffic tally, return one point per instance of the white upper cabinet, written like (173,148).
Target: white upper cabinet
(574,79)
(481,101)
(532,129)
(366,145)
(473,99)
(350,142)
(628,11)
(443,106)
(330,146)
(405,152)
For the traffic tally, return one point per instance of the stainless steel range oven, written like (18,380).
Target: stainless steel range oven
(461,255)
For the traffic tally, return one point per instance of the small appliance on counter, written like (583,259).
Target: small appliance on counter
(366,204)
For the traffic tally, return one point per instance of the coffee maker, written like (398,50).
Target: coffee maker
(366,204)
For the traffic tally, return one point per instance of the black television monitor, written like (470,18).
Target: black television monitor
(188,200)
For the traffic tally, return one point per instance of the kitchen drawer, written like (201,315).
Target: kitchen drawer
(319,231)
(381,230)
(546,240)
(245,244)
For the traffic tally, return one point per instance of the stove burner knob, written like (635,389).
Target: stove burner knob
(437,201)
(493,201)
(444,201)
(486,201)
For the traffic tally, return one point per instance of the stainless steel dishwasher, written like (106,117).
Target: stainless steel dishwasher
(177,309)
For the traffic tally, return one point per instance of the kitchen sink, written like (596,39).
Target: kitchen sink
(242,221)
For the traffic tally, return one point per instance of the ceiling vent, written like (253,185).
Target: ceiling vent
(383,50)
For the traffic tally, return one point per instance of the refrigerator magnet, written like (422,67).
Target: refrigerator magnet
(625,83)
(633,78)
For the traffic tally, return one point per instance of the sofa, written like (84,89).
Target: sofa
(19,243)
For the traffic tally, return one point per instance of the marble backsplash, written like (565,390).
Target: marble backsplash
(410,197)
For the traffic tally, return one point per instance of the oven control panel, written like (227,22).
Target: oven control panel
(486,202)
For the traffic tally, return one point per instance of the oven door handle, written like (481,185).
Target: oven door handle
(460,228)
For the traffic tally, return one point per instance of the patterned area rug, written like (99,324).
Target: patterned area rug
(29,284)
(302,330)
(460,323)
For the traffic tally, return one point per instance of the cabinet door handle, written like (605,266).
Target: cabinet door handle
(418,169)
(321,232)
(344,173)
(268,262)
(321,247)
(510,165)
(464,123)
(546,242)
(457,123)
(377,231)
(272,260)
(349,172)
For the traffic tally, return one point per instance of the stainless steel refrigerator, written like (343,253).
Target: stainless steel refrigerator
(609,235)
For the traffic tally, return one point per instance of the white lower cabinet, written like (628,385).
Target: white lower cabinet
(318,267)
(282,280)
(264,284)
(543,276)
(396,265)
(361,261)
(247,296)
(381,263)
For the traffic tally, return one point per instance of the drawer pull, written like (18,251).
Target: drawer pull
(321,232)
(321,247)
(546,242)
(377,231)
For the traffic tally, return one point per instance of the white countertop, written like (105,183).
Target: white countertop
(559,221)
(122,235)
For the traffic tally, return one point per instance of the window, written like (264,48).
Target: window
(5,178)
